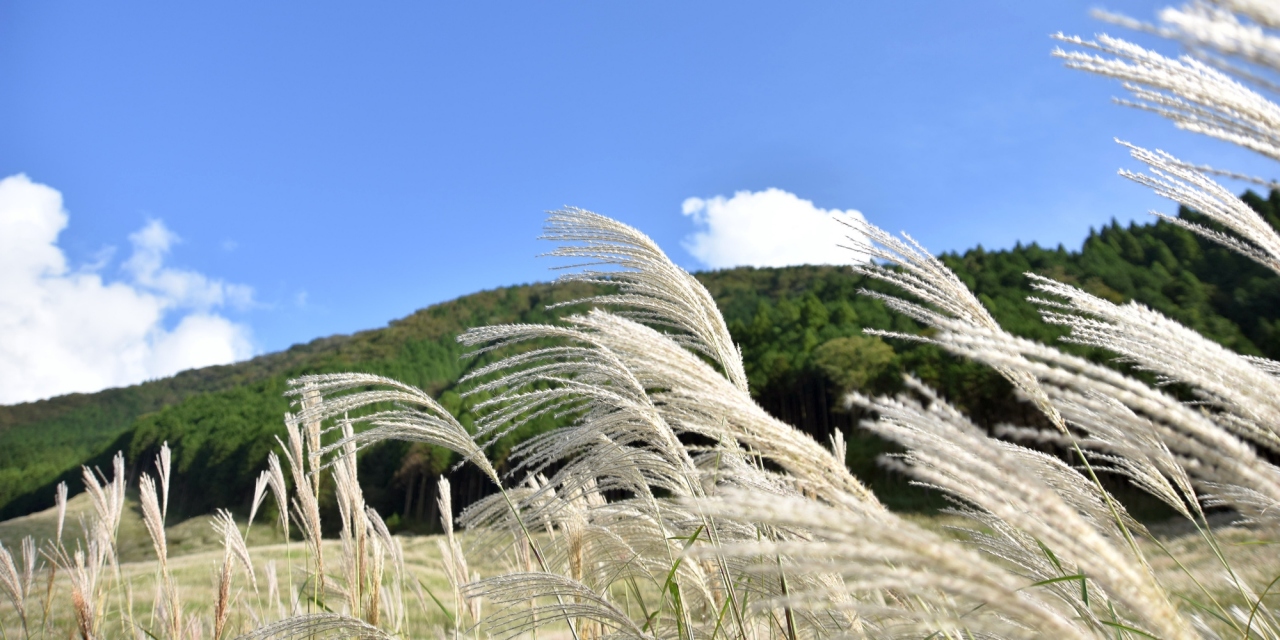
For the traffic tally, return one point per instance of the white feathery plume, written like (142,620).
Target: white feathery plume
(163,466)
(60,499)
(888,554)
(1119,440)
(308,400)
(1156,343)
(259,493)
(451,554)
(638,358)
(222,605)
(13,584)
(1268,366)
(943,297)
(622,441)
(634,391)
(28,564)
(1200,26)
(421,420)
(225,524)
(84,568)
(1190,187)
(389,545)
(152,517)
(664,294)
(1191,93)
(513,589)
(1262,12)
(305,501)
(318,625)
(1027,490)
(107,498)
(279,490)
(375,569)
(1074,383)
(354,532)
(273,589)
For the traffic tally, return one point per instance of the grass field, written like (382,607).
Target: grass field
(196,556)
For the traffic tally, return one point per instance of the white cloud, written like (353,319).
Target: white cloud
(770,228)
(64,330)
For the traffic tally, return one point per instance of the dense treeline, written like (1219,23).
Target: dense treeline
(800,329)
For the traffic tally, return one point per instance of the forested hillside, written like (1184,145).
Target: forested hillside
(799,328)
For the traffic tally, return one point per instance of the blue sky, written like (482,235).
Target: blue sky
(333,166)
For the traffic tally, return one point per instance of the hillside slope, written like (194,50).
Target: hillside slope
(799,327)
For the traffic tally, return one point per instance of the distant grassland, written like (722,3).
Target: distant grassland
(195,553)
(791,324)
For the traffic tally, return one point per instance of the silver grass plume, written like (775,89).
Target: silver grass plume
(1188,91)
(354,532)
(164,461)
(1155,343)
(16,582)
(635,389)
(153,519)
(308,398)
(60,499)
(1190,187)
(107,498)
(390,546)
(616,346)
(305,502)
(84,568)
(1031,493)
(421,419)
(234,552)
(1217,26)
(225,524)
(317,625)
(451,553)
(259,494)
(888,554)
(513,589)
(273,589)
(1078,387)
(659,292)
(280,491)
(943,298)
(637,359)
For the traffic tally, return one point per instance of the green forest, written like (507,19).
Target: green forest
(800,329)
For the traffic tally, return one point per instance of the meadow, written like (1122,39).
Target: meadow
(196,548)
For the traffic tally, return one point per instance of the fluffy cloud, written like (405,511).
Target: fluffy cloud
(770,228)
(66,330)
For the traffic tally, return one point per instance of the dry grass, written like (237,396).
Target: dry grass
(194,558)
(194,569)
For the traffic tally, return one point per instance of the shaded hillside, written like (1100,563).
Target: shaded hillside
(799,327)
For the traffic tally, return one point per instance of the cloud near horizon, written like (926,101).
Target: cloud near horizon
(770,228)
(65,330)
